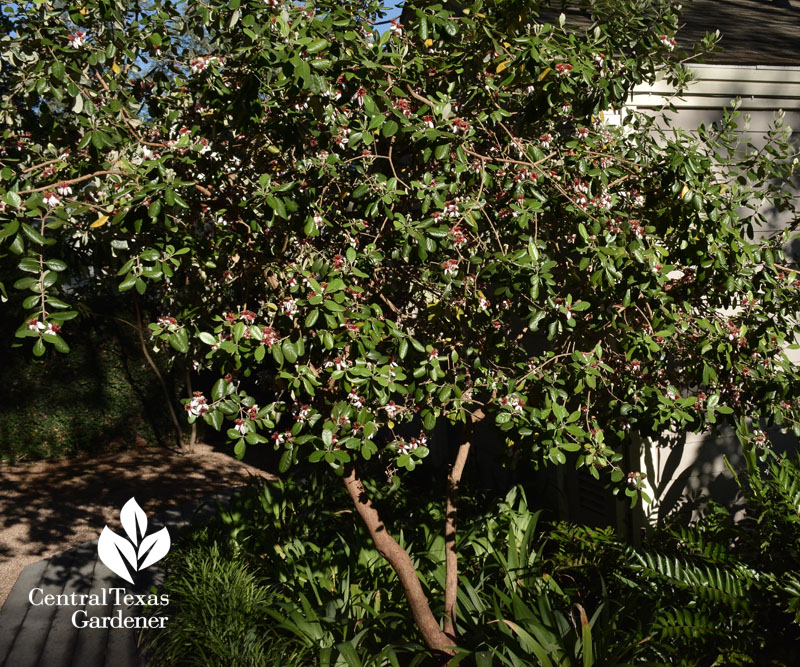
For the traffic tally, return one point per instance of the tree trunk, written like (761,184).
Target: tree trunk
(450,553)
(400,561)
(193,436)
(451,513)
(167,398)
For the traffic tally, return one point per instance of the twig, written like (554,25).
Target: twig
(80,179)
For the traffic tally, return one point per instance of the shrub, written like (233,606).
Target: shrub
(100,397)
(718,591)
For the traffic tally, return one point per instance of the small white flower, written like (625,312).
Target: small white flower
(197,406)
(64,190)
(51,200)
(450,267)
(77,39)
(289,307)
(669,42)
(355,400)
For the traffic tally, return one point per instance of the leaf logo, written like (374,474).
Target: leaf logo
(123,556)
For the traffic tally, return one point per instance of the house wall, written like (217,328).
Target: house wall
(684,469)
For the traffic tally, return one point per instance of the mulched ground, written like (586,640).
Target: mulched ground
(49,506)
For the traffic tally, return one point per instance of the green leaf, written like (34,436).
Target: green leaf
(33,235)
(57,69)
(289,351)
(389,128)
(317,46)
(180,341)
(287,458)
(29,264)
(312,317)
(218,390)
(214,418)
(59,343)
(56,265)
(207,338)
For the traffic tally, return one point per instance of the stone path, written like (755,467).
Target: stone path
(44,635)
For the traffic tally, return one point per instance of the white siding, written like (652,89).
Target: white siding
(683,469)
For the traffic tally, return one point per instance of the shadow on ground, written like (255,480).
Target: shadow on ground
(46,507)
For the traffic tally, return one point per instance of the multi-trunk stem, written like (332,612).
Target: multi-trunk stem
(400,561)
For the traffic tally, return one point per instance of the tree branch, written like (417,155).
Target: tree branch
(80,179)
(400,561)
(167,398)
(451,512)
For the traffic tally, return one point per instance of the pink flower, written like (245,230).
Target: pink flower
(289,307)
(450,267)
(459,238)
(77,39)
(563,69)
(338,363)
(669,42)
(197,406)
(636,228)
(355,400)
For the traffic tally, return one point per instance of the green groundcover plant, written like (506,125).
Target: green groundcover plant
(283,576)
(363,232)
(100,397)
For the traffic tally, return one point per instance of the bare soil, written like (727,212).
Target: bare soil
(49,506)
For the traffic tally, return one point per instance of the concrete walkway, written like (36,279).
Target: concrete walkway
(44,635)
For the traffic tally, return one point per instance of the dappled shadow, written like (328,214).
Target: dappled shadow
(46,507)
(686,471)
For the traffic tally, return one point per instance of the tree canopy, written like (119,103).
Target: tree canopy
(365,231)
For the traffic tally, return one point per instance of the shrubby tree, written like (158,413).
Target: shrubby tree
(365,230)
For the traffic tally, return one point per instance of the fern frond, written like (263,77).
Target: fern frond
(714,583)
